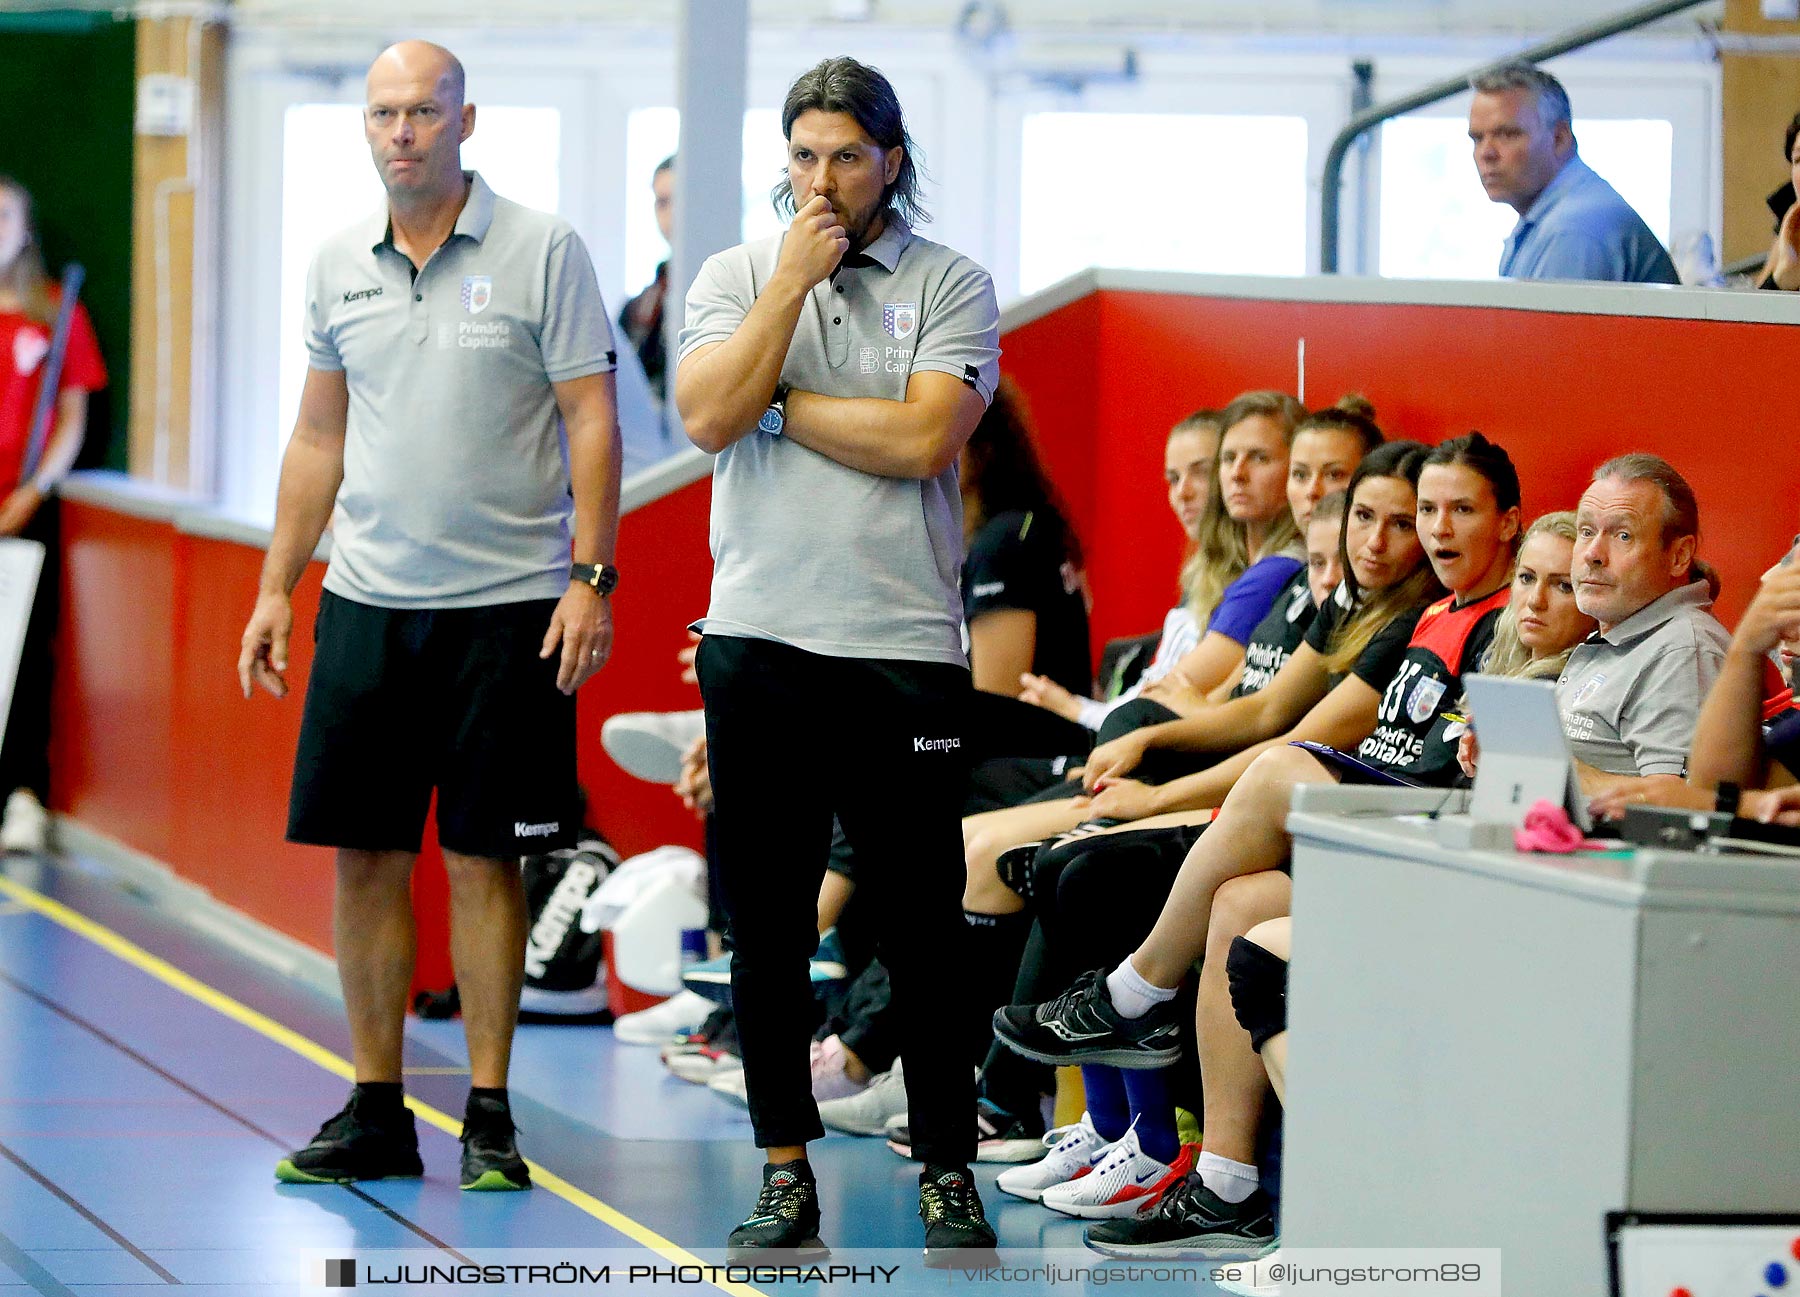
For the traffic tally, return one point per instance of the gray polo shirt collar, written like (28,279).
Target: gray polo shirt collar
(472,222)
(1695,594)
(885,251)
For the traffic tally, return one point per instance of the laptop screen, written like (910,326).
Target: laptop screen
(1525,756)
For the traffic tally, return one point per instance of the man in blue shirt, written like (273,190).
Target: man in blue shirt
(1572,224)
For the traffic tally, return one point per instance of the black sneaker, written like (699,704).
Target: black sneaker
(490,1153)
(1000,1136)
(1081,1026)
(786,1217)
(1193,1223)
(359,1143)
(956,1229)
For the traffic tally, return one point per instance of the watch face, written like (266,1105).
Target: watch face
(771,422)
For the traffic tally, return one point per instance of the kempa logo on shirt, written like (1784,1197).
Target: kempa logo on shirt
(523,830)
(361,294)
(988,587)
(936,745)
(477,292)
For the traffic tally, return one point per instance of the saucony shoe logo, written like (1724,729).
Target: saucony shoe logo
(1064,1032)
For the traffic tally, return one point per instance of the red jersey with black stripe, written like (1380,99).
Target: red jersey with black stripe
(1412,735)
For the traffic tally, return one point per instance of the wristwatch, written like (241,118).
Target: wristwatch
(774,419)
(603,577)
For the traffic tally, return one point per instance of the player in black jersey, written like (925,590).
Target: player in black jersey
(1467,511)
(1534,635)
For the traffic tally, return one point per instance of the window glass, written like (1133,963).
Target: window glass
(1437,223)
(1161,191)
(650,136)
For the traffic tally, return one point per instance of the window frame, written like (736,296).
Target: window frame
(1668,82)
(1314,88)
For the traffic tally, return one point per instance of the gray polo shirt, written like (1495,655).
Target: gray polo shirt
(1631,698)
(456,478)
(806,551)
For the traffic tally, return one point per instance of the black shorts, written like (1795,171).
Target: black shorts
(404,701)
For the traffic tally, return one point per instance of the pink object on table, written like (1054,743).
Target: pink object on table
(1547,827)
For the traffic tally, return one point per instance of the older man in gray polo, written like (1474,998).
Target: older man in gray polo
(1631,693)
(458,411)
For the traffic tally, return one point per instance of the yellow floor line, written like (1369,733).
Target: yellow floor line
(313,1052)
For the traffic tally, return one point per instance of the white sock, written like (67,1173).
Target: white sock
(1131,995)
(1232,1181)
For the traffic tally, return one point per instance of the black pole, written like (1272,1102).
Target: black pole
(1573,39)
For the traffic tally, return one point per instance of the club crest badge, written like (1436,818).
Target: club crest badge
(29,349)
(899,319)
(477,292)
(1586,691)
(1422,703)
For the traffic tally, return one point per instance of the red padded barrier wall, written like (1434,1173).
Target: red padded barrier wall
(1561,391)
(666,572)
(113,701)
(1053,359)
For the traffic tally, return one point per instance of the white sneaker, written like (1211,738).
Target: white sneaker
(650,745)
(653,1026)
(731,1084)
(1125,1182)
(1073,1151)
(1259,1284)
(26,826)
(867,1113)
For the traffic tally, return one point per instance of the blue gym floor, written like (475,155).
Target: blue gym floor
(150,1078)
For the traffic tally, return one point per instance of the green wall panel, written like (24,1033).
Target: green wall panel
(66,92)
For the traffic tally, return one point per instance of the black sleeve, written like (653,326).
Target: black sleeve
(1005,568)
(1324,625)
(1479,641)
(1781,741)
(1381,659)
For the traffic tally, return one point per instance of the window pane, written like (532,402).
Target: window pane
(1437,223)
(1181,218)
(650,136)
(328,182)
(1637,159)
